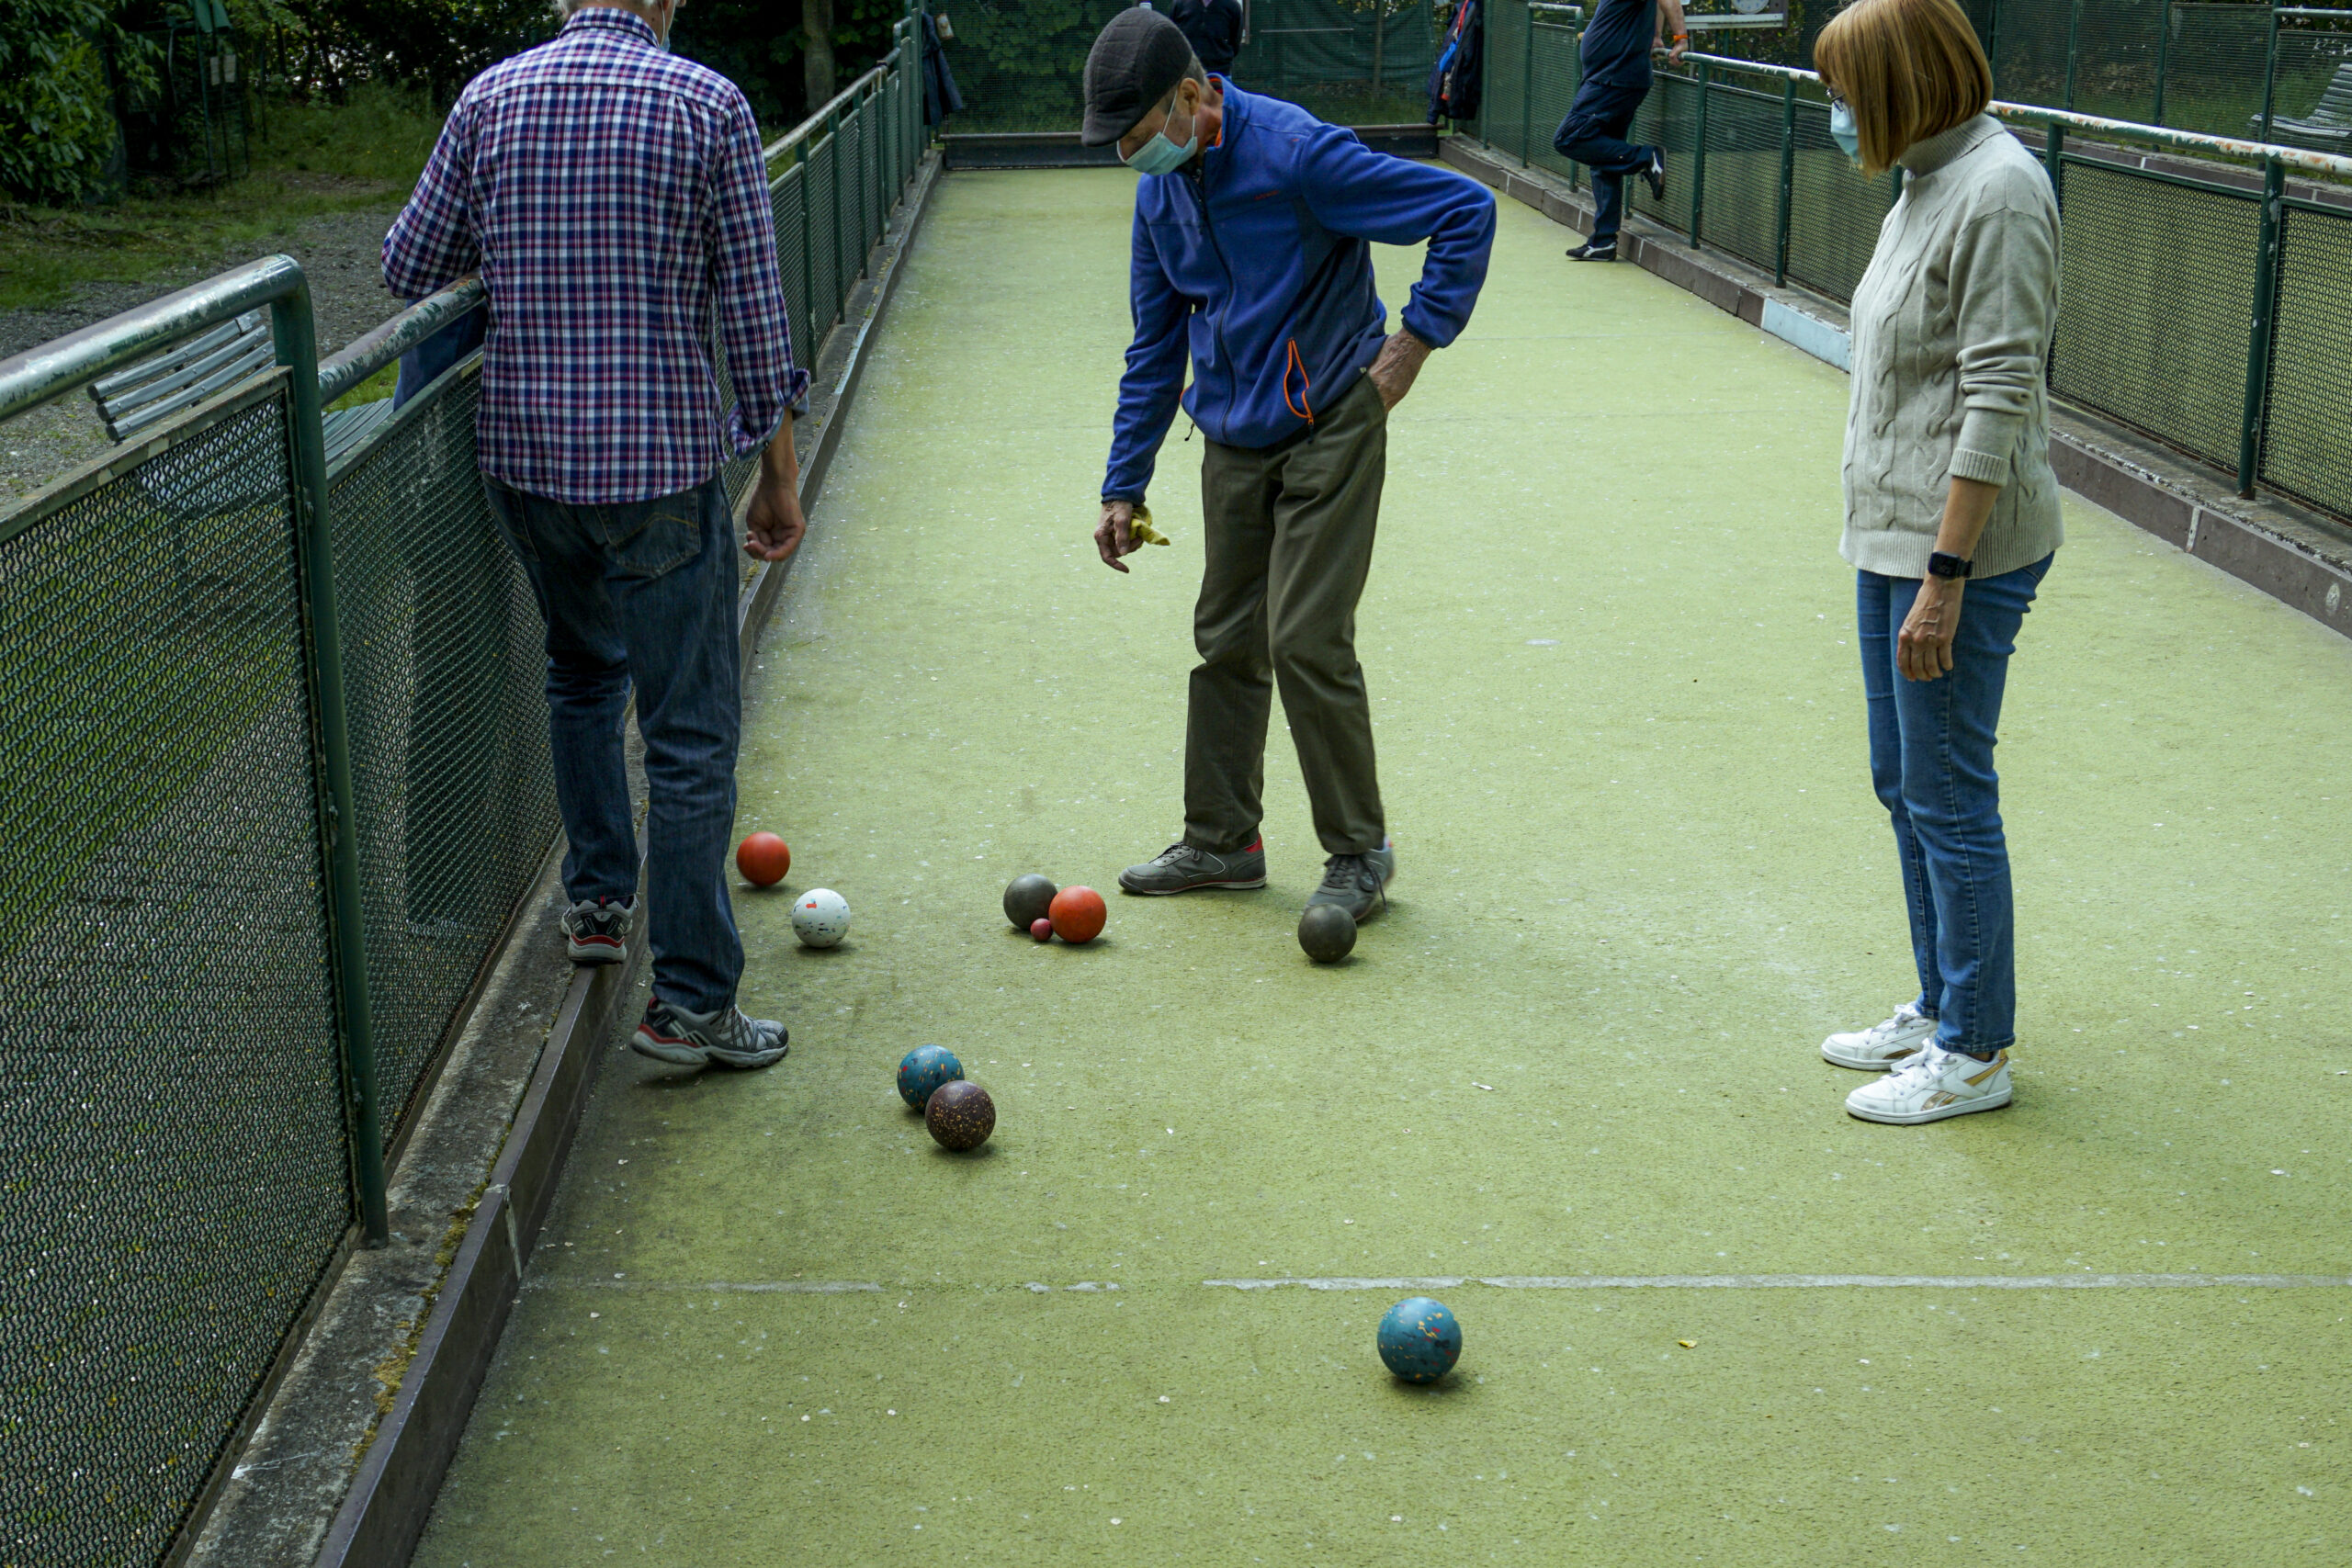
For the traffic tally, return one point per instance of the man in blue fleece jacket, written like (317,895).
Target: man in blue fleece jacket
(1253,233)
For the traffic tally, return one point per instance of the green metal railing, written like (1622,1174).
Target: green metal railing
(275,782)
(2252,68)
(2205,297)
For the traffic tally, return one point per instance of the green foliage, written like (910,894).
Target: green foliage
(57,129)
(756,45)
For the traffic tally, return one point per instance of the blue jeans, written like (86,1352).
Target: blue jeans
(1594,135)
(644,591)
(1931,759)
(424,365)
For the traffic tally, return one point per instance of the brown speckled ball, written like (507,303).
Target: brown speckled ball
(960,1115)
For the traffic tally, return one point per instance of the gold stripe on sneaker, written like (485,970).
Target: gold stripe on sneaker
(1991,1068)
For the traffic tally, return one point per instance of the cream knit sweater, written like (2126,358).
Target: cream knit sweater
(1951,328)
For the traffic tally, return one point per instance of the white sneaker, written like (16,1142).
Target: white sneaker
(1934,1084)
(1881,1045)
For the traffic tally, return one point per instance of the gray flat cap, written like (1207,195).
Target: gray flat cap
(1135,61)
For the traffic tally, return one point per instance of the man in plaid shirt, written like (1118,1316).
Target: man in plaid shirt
(614,200)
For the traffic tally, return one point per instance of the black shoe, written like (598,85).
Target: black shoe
(1654,176)
(1179,868)
(1358,884)
(1590,252)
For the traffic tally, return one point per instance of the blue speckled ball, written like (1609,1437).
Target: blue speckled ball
(1419,1340)
(923,1070)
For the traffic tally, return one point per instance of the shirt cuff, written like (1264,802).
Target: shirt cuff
(1988,441)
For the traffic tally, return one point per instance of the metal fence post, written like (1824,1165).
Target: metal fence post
(2074,41)
(2164,61)
(2271,74)
(1699,163)
(298,351)
(841,280)
(1993,48)
(2053,158)
(1527,87)
(2259,336)
(1788,178)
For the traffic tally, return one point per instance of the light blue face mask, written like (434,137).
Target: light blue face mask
(1845,132)
(1161,156)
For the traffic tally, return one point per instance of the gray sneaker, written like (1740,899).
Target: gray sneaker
(673,1034)
(597,930)
(1358,884)
(1179,868)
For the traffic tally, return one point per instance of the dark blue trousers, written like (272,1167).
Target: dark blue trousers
(1594,135)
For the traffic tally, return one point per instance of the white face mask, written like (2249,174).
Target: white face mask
(1845,132)
(1161,156)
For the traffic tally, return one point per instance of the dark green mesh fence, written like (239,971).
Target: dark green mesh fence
(2158,288)
(1835,210)
(1743,173)
(2160,267)
(171,1123)
(2201,65)
(442,672)
(1021,65)
(1552,86)
(2214,61)
(177,1166)
(2307,425)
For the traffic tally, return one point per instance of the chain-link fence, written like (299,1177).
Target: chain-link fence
(1021,65)
(2240,68)
(2198,303)
(216,1010)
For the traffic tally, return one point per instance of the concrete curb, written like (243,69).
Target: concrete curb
(391,1495)
(2300,558)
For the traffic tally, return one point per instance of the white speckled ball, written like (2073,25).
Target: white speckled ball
(821,918)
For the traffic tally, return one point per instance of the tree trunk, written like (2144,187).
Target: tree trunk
(817,50)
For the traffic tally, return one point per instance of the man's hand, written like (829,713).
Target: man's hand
(1923,649)
(1398,362)
(773,524)
(1114,535)
(1674,56)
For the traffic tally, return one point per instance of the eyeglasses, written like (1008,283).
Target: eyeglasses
(1836,100)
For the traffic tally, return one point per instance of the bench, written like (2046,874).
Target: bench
(153,390)
(2327,128)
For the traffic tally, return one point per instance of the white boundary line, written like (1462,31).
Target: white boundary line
(1540,1282)
(1811,1283)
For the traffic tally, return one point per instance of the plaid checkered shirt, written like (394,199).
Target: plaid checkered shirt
(614,200)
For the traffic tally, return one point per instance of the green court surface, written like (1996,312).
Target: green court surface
(1575,1065)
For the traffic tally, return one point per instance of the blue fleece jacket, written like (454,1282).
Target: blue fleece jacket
(1258,259)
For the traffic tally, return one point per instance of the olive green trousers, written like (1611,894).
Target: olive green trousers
(1288,537)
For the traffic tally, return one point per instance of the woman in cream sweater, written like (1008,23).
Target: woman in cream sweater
(1952,520)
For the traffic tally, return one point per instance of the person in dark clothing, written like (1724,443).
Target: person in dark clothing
(1615,52)
(1214,29)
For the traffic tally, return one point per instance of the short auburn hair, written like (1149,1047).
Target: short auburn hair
(1908,69)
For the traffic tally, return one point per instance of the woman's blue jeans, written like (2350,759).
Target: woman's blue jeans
(642,593)
(1931,759)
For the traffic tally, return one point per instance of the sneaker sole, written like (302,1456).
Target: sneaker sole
(677,1052)
(596,952)
(1864,1063)
(750,1059)
(1243,884)
(681,1054)
(1933,1113)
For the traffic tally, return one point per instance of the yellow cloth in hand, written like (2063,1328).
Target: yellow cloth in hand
(1140,526)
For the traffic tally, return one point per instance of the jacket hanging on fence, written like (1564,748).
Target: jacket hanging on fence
(1455,78)
(939,97)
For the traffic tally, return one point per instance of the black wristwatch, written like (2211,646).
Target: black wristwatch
(1942,565)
